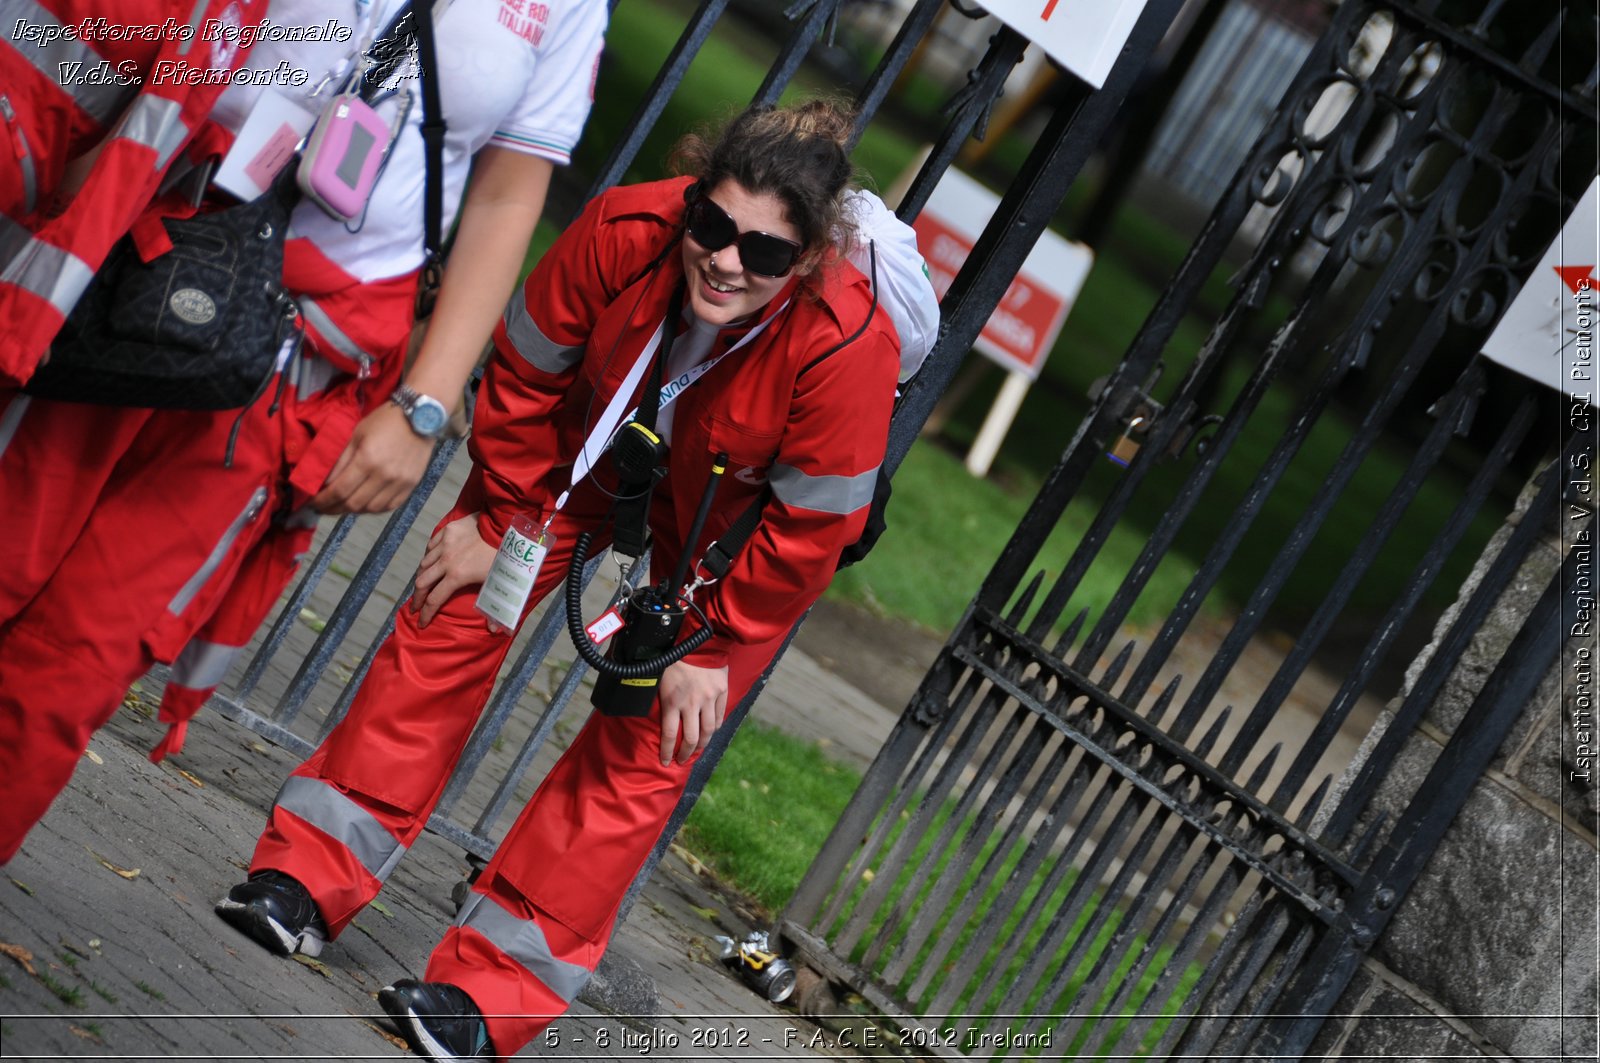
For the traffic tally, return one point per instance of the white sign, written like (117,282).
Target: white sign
(1023,328)
(1085,36)
(1548,332)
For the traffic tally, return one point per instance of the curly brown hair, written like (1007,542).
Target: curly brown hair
(796,153)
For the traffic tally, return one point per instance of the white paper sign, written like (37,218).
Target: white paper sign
(1084,36)
(1548,332)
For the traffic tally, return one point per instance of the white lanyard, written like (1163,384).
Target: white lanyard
(600,438)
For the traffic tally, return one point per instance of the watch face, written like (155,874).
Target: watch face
(428,417)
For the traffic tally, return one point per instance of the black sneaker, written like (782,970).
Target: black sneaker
(277,913)
(439,1020)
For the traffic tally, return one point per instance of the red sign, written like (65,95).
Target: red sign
(1022,328)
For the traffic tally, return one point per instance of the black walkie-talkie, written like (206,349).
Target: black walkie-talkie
(650,627)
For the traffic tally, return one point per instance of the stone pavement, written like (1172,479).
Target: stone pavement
(114,952)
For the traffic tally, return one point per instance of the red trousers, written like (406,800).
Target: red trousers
(121,529)
(544,908)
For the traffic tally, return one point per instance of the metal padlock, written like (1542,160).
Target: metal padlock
(1123,450)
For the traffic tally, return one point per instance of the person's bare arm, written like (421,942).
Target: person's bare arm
(385,458)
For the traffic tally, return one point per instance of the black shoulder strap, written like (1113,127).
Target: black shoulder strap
(433,130)
(720,554)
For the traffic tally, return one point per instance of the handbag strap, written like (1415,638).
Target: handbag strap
(433,130)
(414,20)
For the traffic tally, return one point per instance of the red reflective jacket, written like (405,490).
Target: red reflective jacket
(81,76)
(815,431)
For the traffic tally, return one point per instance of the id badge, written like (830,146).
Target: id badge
(266,142)
(516,566)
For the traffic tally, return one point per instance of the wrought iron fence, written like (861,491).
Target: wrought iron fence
(306,666)
(1072,843)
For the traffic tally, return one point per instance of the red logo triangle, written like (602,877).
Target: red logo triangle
(1572,275)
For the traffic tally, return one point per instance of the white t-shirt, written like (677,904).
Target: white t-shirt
(516,74)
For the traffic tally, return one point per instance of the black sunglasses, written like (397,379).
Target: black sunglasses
(761,253)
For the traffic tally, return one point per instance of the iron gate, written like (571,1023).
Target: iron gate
(292,688)
(1071,844)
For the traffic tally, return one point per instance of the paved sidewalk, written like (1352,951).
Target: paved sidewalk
(114,951)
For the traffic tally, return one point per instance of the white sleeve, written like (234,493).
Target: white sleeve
(549,118)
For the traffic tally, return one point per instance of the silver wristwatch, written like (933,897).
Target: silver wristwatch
(427,415)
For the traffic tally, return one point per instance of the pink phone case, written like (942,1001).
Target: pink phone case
(343,157)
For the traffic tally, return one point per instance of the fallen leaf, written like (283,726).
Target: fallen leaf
(86,1034)
(125,872)
(398,1042)
(93,756)
(316,965)
(868,875)
(312,620)
(192,779)
(23,886)
(94,943)
(708,914)
(21,955)
(260,748)
(689,858)
(378,905)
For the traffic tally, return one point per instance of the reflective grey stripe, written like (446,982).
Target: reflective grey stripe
(203,665)
(826,494)
(11,418)
(30,173)
(218,553)
(312,374)
(320,320)
(344,821)
(523,941)
(194,27)
(537,349)
(155,123)
(101,102)
(56,276)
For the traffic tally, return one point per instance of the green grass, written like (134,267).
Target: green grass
(721,79)
(945,531)
(769,807)
(70,995)
(1020,949)
(764,815)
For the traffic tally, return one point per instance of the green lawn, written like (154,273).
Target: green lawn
(767,810)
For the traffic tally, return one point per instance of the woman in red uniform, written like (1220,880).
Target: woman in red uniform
(739,261)
(128,536)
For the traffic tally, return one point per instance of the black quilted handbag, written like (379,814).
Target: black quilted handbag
(197,328)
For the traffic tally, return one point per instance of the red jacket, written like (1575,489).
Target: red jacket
(77,74)
(817,435)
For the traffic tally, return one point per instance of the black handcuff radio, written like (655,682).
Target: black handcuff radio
(628,673)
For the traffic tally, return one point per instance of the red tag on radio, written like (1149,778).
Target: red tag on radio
(605,625)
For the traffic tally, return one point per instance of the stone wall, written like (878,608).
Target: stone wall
(1496,941)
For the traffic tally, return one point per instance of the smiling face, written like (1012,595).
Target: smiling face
(726,293)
